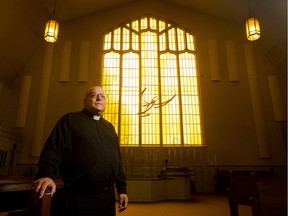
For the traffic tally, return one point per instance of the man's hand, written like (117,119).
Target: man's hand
(40,186)
(123,202)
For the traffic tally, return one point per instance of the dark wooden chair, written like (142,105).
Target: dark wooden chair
(242,187)
(270,199)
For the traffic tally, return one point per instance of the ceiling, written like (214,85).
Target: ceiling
(235,10)
(272,13)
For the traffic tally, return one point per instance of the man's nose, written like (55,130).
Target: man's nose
(98,97)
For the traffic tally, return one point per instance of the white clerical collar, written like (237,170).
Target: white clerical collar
(95,117)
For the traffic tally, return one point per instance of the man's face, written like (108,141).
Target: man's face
(95,100)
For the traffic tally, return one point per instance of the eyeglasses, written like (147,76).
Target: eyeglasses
(96,95)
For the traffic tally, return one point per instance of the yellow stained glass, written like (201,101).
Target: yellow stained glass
(162,25)
(130,99)
(180,39)
(144,23)
(162,42)
(172,39)
(135,41)
(190,41)
(117,37)
(126,39)
(153,94)
(153,23)
(135,25)
(107,41)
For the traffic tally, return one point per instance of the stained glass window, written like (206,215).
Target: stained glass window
(150,76)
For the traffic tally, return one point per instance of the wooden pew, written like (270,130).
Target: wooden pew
(16,197)
(270,198)
(43,207)
(243,186)
(222,178)
(40,207)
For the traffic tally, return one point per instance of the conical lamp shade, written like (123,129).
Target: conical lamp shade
(253,29)
(51,31)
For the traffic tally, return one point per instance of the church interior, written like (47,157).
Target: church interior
(241,86)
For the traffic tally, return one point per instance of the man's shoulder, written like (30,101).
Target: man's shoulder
(71,115)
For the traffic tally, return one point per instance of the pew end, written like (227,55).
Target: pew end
(270,199)
(40,207)
(243,186)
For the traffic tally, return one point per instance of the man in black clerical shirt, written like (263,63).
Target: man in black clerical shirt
(83,150)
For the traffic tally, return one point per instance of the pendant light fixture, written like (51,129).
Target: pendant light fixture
(252,27)
(52,27)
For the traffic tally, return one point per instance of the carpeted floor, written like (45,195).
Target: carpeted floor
(198,205)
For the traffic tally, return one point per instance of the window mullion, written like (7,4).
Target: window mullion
(160,86)
(140,87)
(179,89)
(120,82)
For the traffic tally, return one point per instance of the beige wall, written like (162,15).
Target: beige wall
(228,118)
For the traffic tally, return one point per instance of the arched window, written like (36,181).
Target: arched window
(150,76)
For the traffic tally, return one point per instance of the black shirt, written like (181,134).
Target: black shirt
(84,152)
